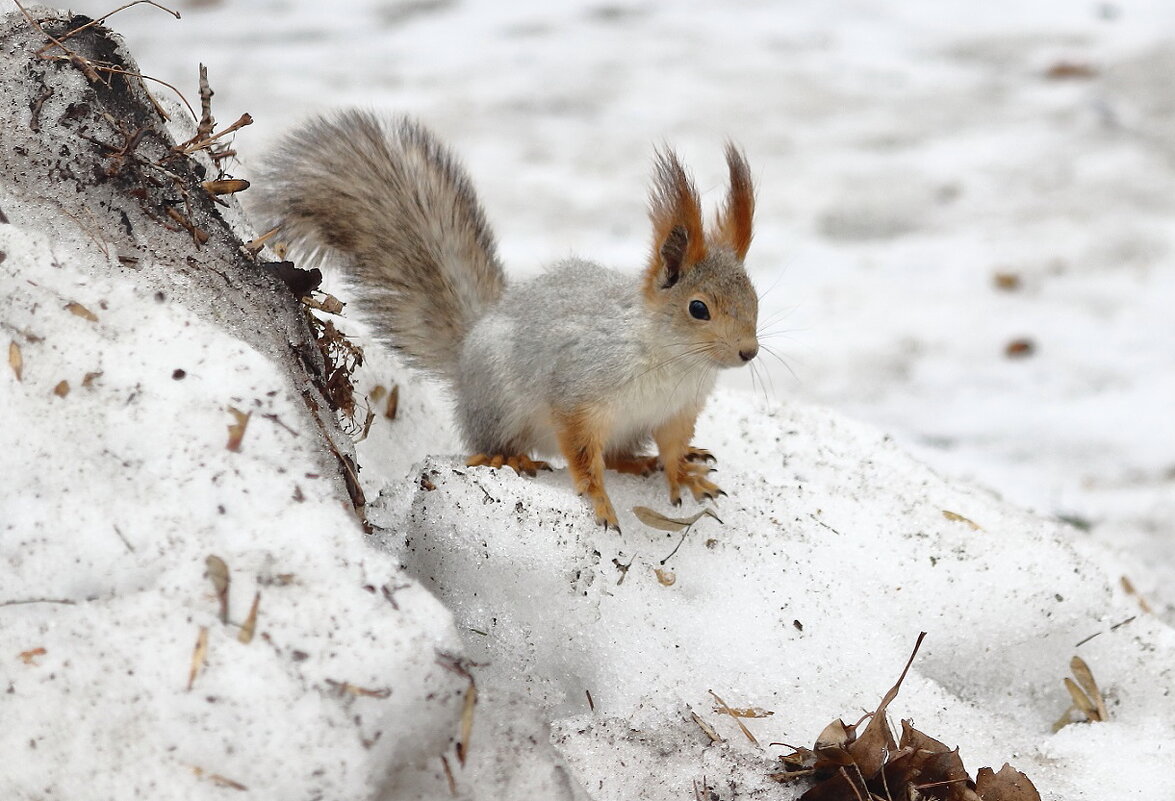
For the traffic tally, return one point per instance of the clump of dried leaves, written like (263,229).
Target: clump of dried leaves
(872,766)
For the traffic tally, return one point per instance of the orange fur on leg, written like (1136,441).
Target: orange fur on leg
(635,465)
(581,435)
(673,440)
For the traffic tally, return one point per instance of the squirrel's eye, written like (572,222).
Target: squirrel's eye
(698,310)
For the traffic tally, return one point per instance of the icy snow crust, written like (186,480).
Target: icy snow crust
(834,550)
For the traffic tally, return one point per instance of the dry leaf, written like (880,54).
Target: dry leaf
(659,521)
(870,749)
(1068,70)
(747,712)
(81,311)
(199,653)
(347,688)
(29,657)
(15,360)
(1007,785)
(1087,697)
(236,431)
(1019,348)
(377,392)
(667,577)
(393,405)
(1084,677)
(62,389)
(958,518)
(246,633)
(88,378)
(217,572)
(225,186)
(1006,281)
(726,710)
(467,722)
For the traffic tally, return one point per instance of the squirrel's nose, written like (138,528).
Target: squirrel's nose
(746,354)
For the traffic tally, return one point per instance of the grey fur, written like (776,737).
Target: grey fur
(387,201)
(396,209)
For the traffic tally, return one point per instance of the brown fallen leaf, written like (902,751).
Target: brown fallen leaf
(1087,697)
(1008,282)
(958,518)
(869,750)
(1007,785)
(1069,70)
(88,378)
(1084,677)
(236,431)
(393,404)
(657,520)
(15,359)
(726,710)
(1020,348)
(1128,587)
(62,389)
(217,573)
(225,186)
(467,721)
(377,393)
(29,657)
(347,688)
(81,311)
(747,712)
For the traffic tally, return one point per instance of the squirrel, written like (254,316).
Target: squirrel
(582,360)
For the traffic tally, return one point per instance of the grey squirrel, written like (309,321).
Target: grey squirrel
(581,360)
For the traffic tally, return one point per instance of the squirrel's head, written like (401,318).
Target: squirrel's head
(696,279)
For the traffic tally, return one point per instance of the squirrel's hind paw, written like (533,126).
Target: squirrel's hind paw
(634,465)
(520,463)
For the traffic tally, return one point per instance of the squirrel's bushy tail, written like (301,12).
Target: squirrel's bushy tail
(390,204)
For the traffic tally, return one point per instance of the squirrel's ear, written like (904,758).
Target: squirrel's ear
(674,208)
(734,220)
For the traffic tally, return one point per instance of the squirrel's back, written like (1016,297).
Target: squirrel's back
(387,202)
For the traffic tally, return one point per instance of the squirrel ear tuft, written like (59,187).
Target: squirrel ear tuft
(734,220)
(676,213)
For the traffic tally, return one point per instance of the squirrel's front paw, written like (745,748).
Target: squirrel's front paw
(605,514)
(692,476)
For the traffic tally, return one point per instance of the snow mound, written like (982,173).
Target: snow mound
(118,485)
(834,551)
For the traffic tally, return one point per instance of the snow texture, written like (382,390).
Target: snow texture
(905,153)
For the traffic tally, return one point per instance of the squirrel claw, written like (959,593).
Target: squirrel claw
(700,455)
(519,464)
(605,514)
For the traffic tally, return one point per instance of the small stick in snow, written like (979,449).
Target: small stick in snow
(449,776)
(199,653)
(246,633)
(726,710)
(706,727)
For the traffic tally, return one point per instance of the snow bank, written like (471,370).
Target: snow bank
(115,494)
(835,550)
(127,350)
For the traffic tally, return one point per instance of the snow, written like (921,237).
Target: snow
(904,154)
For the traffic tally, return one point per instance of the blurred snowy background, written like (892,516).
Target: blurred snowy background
(966,210)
